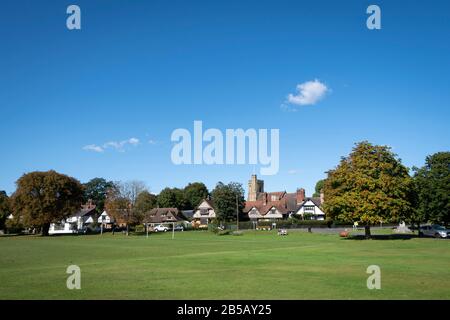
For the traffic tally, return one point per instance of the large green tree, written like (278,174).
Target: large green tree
(172,198)
(318,188)
(5,208)
(433,185)
(96,189)
(368,186)
(42,198)
(195,193)
(145,201)
(224,197)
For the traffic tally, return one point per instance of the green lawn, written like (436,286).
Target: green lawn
(201,265)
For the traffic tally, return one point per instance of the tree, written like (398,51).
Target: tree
(5,208)
(121,202)
(224,197)
(433,185)
(47,197)
(369,186)
(145,201)
(96,190)
(195,193)
(172,198)
(318,188)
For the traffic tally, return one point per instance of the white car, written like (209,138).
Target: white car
(435,231)
(160,228)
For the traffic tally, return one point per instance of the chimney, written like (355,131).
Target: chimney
(265,198)
(322,197)
(300,195)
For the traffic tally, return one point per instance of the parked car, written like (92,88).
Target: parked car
(435,230)
(178,228)
(160,228)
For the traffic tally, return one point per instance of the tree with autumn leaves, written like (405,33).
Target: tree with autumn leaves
(42,198)
(369,186)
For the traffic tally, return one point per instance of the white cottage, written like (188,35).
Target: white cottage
(311,208)
(76,222)
(204,213)
(106,220)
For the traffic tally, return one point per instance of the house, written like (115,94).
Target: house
(85,216)
(310,209)
(267,206)
(105,220)
(203,213)
(261,205)
(163,216)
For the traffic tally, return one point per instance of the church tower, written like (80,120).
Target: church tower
(255,187)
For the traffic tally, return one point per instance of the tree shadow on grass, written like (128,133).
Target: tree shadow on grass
(383,237)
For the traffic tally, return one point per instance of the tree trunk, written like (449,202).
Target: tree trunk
(45,229)
(367,232)
(127,229)
(418,230)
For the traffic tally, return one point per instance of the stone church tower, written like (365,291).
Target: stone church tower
(255,187)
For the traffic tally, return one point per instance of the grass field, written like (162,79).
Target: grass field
(202,265)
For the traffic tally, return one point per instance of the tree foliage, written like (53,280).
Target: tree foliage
(42,198)
(5,208)
(121,202)
(145,201)
(172,198)
(195,193)
(369,186)
(318,188)
(433,186)
(224,197)
(96,189)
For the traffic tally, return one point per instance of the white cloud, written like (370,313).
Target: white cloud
(116,145)
(93,147)
(308,93)
(133,141)
(293,171)
(152,141)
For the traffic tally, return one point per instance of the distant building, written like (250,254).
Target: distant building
(310,209)
(105,220)
(203,213)
(164,215)
(261,205)
(78,221)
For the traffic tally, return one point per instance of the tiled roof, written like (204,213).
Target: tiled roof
(160,215)
(86,210)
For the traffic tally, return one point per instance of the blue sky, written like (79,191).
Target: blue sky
(142,69)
